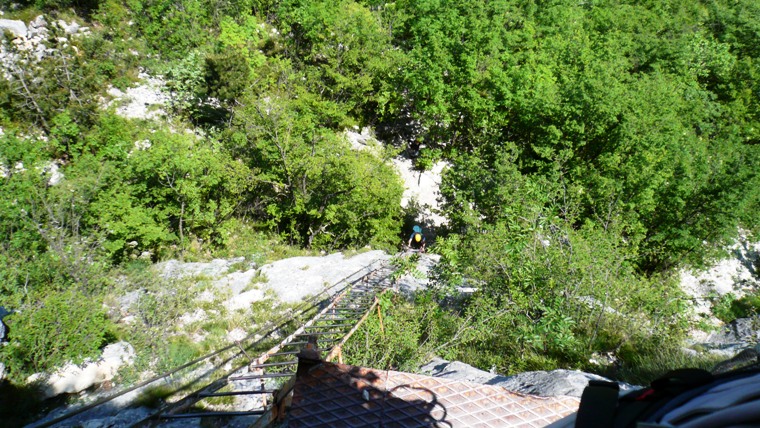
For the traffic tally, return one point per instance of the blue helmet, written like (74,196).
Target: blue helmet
(417,229)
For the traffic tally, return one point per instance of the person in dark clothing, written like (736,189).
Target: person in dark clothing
(414,148)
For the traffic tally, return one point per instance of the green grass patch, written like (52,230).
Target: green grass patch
(640,366)
(26,14)
(154,397)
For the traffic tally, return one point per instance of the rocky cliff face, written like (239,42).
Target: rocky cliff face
(733,277)
(736,275)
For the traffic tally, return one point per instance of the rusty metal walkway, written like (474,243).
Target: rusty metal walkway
(330,395)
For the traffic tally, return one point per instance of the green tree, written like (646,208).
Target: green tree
(345,54)
(172,28)
(312,186)
(175,186)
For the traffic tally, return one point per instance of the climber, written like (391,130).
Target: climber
(417,239)
(414,147)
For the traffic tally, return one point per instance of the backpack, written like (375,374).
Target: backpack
(727,396)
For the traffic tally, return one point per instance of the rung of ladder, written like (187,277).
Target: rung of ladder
(263,376)
(211,414)
(282,363)
(227,394)
(277,354)
(329,326)
(296,352)
(319,333)
(322,340)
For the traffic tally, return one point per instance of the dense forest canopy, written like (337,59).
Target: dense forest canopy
(594,148)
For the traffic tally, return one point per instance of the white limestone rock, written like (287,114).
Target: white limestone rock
(422,188)
(175,269)
(295,278)
(735,275)
(147,101)
(363,140)
(17,28)
(236,335)
(55,176)
(545,384)
(68,28)
(71,378)
(192,317)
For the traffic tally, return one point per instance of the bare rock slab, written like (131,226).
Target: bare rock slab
(542,383)
(17,28)
(73,378)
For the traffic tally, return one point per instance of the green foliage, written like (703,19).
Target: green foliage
(636,108)
(344,52)
(593,149)
(641,365)
(172,28)
(60,327)
(548,290)
(65,135)
(160,308)
(728,308)
(83,5)
(69,78)
(179,350)
(246,39)
(226,75)
(316,190)
(112,48)
(17,155)
(403,340)
(427,158)
(405,265)
(45,241)
(177,187)
(185,83)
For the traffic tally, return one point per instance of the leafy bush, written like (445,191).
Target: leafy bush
(169,30)
(427,159)
(62,326)
(405,265)
(185,83)
(550,291)
(402,340)
(65,81)
(728,308)
(176,191)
